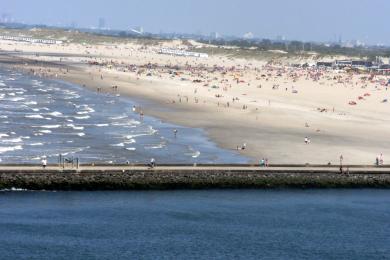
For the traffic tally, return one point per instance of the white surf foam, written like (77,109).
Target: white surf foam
(118,117)
(36,144)
(3,135)
(45,131)
(16,99)
(55,113)
(50,126)
(30,103)
(75,127)
(82,117)
(196,154)
(118,145)
(4,149)
(12,140)
(34,116)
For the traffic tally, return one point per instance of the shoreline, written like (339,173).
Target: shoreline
(151,106)
(275,131)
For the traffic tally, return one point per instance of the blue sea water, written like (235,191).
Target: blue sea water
(41,117)
(217,224)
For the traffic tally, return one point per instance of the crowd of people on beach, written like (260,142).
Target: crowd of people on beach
(227,84)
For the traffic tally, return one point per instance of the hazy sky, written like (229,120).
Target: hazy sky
(366,20)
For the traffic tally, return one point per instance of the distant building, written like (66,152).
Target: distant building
(324,64)
(5,18)
(346,63)
(343,63)
(29,39)
(215,35)
(183,53)
(248,36)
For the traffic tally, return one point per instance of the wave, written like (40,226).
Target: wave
(13,189)
(131,122)
(75,127)
(86,110)
(101,125)
(45,131)
(55,113)
(30,103)
(82,117)
(34,116)
(131,141)
(159,146)
(13,140)
(49,126)
(196,154)
(16,99)
(118,145)
(4,149)
(118,117)
(3,135)
(36,144)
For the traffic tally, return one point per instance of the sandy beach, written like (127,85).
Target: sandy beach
(268,107)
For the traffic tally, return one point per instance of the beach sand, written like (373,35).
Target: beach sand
(275,105)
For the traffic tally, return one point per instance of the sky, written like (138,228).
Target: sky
(307,20)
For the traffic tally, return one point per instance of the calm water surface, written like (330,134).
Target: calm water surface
(246,224)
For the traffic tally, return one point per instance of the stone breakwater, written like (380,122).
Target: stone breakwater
(160,179)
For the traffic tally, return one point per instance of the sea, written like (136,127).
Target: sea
(48,118)
(209,224)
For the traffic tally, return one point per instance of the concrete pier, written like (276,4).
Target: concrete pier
(136,177)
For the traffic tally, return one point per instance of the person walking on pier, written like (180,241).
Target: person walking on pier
(44,162)
(152,163)
(262,163)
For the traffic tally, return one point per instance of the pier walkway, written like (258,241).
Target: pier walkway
(176,168)
(140,177)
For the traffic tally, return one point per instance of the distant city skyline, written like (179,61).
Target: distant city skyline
(363,20)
